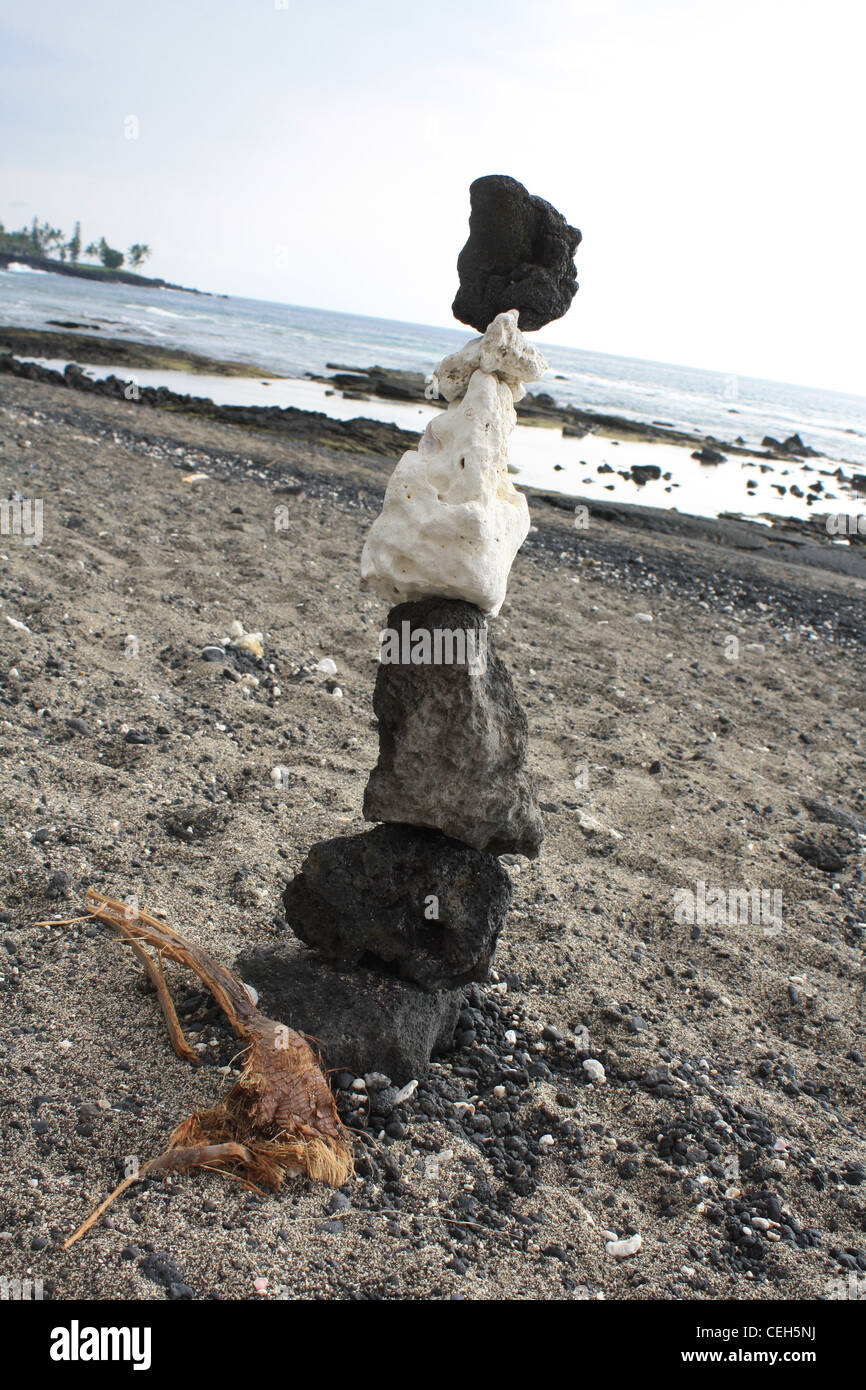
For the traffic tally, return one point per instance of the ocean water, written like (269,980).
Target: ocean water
(291,341)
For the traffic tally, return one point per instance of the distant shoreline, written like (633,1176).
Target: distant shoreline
(794,540)
(91,272)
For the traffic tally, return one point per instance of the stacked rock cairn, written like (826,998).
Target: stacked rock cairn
(404,916)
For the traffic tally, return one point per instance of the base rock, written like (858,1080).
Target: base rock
(361,1022)
(365,899)
(452,739)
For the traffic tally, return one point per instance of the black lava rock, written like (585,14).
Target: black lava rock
(453,740)
(645,472)
(363,1022)
(423,907)
(520,255)
(160,1268)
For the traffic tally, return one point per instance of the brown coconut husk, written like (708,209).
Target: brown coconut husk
(279,1118)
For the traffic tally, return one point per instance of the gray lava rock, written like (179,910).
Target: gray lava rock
(452,741)
(363,1022)
(371,898)
(520,255)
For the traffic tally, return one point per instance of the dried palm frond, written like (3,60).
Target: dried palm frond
(279,1118)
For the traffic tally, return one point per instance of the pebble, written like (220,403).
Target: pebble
(405,1092)
(595,827)
(621,1249)
(594,1070)
(376,1081)
(213,654)
(251,642)
(326,666)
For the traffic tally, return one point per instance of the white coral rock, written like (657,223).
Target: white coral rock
(452,521)
(621,1249)
(502,352)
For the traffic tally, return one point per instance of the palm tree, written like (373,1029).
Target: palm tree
(138,254)
(52,239)
(111,259)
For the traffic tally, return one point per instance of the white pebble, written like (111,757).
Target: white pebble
(511,1037)
(359,1084)
(405,1092)
(236,629)
(326,666)
(251,642)
(499,1092)
(594,1070)
(621,1249)
(547,1141)
(336,693)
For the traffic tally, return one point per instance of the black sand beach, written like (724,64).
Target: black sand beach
(728,1131)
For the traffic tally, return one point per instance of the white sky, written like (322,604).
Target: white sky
(712,154)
